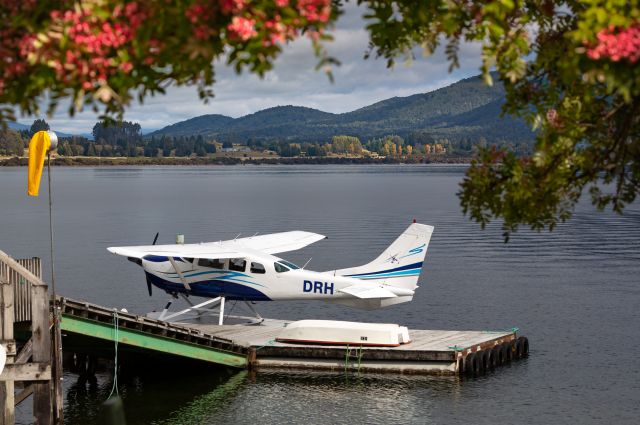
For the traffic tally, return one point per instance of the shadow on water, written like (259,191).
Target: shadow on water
(166,396)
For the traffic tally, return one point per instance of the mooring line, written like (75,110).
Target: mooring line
(116,331)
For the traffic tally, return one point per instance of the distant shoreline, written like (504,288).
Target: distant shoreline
(195,161)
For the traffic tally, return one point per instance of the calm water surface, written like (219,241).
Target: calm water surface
(574,292)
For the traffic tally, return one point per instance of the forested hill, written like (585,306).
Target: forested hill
(467,109)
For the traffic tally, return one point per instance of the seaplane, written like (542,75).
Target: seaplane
(246,270)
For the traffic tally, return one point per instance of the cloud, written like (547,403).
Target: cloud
(294,81)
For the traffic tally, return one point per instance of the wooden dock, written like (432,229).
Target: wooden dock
(429,352)
(255,346)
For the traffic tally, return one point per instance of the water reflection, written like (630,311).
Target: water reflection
(166,396)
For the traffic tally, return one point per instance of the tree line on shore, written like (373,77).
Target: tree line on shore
(125,139)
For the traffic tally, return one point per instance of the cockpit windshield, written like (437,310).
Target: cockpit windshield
(289,264)
(284,266)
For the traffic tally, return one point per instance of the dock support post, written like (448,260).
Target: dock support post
(42,395)
(56,363)
(7,402)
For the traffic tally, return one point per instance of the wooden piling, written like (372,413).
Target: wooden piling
(7,402)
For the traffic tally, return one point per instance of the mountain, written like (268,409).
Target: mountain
(204,124)
(17,126)
(465,109)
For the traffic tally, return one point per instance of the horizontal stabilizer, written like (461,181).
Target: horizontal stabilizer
(367,292)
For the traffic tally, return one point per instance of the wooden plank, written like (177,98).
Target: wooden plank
(7,405)
(22,395)
(42,406)
(26,372)
(25,353)
(56,360)
(14,265)
(6,311)
(149,341)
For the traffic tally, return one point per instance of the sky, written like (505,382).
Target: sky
(294,81)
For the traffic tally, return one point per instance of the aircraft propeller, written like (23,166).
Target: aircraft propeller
(149,286)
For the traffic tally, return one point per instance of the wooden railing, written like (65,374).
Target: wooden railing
(24,295)
(21,282)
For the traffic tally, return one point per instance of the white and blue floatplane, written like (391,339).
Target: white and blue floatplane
(246,269)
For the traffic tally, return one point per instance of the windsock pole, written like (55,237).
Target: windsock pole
(53,146)
(57,336)
(44,142)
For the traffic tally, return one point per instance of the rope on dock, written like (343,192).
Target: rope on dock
(116,331)
(269,343)
(346,359)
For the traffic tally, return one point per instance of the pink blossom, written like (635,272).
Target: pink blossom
(233,6)
(126,67)
(552,117)
(623,44)
(242,27)
(315,10)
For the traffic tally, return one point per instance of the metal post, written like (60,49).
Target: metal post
(56,362)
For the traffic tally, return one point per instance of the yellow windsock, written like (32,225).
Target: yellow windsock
(38,147)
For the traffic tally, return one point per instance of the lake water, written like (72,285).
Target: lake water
(574,293)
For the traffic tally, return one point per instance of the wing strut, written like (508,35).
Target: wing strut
(182,279)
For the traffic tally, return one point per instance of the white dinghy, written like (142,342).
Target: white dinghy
(334,332)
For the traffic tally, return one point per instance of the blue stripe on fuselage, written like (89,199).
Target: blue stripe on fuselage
(211,288)
(397,269)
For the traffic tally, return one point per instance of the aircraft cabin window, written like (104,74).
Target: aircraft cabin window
(237,264)
(257,268)
(280,268)
(290,265)
(213,264)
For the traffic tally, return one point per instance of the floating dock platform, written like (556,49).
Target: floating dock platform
(255,347)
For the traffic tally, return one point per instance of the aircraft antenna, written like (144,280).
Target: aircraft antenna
(237,236)
(305,264)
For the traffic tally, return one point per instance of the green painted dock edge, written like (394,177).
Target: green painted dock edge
(159,343)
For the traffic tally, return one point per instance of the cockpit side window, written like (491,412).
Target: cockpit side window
(237,264)
(257,268)
(280,268)
(213,264)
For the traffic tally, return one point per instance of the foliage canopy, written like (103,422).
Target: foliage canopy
(568,68)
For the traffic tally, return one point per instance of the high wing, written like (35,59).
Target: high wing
(189,250)
(270,244)
(274,243)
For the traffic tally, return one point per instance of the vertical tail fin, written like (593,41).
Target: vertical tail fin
(401,263)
